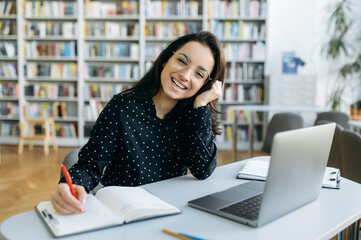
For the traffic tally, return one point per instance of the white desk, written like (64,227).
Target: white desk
(261,108)
(333,211)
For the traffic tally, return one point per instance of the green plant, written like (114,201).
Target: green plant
(343,44)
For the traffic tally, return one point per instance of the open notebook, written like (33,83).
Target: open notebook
(111,206)
(257,169)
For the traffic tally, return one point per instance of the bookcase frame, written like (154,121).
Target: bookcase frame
(141,19)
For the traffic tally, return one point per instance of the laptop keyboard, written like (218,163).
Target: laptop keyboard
(248,208)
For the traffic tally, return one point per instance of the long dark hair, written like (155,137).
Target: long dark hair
(152,83)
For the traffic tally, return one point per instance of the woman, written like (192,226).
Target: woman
(159,128)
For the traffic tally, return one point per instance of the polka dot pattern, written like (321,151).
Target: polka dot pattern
(130,146)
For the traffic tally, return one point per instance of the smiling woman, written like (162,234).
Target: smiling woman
(160,128)
(184,74)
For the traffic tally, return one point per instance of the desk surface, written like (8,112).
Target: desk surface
(333,211)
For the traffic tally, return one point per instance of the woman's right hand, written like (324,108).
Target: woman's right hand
(65,203)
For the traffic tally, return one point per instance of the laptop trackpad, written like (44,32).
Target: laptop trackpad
(237,193)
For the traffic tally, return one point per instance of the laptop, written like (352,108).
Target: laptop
(298,163)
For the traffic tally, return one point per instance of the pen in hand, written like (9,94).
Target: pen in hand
(69,182)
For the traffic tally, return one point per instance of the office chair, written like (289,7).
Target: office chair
(351,155)
(281,122)
(334,159)
(334,116)
(70,159)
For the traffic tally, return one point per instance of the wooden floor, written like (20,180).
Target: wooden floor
(29,178)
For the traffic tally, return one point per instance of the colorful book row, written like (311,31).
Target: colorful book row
(241,93)
(50,90)
(51,28)
(36,49)
(112,71)
(111,50)
(170,29)
(171,8)
(242,134)
(60,110)
(9,129)
(62,130)
(8,49)
(235,29)
(104,91)
(8,27)
(66,130)
(93,109)
(153,49)
(9,89)
(50,8)
(8,70)
(248,72)
(237,8)
(245,51)
(7,8)
(9,109)
(108,9)
(242,116)
(53,70)
(111,29)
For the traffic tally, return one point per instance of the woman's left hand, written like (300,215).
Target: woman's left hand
(208,96)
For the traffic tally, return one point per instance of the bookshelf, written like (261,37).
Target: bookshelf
(9,65)
(66,59)
(241,27)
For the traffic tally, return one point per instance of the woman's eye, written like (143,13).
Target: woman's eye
(200,74)
(182,61)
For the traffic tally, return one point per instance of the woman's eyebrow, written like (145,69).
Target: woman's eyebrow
(189,60)
(186,56)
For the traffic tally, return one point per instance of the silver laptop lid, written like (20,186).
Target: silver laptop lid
(298,162)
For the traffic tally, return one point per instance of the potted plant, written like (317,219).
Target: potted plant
(344,43)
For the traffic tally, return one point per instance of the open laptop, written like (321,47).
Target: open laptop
(298,162)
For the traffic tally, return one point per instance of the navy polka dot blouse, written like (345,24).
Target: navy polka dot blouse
(130,146)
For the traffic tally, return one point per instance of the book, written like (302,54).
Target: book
(110,206)
(257,169)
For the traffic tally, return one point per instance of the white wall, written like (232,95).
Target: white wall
(291,27)
(300,26)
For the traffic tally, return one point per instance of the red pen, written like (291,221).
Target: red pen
(68,180)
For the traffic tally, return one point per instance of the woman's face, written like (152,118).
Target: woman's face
(186,71)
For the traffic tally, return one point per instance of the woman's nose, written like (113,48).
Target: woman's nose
(186,74)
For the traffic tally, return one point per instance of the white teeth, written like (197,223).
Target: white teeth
(178,85)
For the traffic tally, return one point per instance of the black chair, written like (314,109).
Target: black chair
(351,155)
(335,159)
(334,116)
(70,159)
(281,122)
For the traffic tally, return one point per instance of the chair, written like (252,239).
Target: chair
(334,159)
(334,116)
(351,155)
(281,122)
(70,159)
